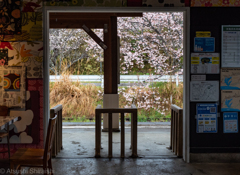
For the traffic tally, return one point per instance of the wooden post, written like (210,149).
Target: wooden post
(54,147)
(171,134)
(97,133)
(180,136)
(110,135)
(114,55)
(108,60)
(122,136)
(134,134)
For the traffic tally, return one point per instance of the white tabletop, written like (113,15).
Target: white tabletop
(7,120)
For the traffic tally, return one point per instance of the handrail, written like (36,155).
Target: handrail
(176,140)
(57,141)
(110,111)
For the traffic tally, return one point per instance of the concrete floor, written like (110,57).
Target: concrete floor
(154,159)
(79,143)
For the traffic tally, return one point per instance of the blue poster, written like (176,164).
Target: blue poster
(205,44)
(206,118)
(230,122)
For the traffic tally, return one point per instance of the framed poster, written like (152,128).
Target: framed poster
(206,118)
(205,63)
(201,91)
(204,44)
(230,122)
(230,46)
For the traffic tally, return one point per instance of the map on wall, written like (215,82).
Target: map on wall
(205,63)
(230,79)
(230,100)
(204,91)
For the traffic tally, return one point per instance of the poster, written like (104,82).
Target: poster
(230,122)
(204,44)
(230,100)
(230,79)
(231,46)
(205,63)
(204,91)
(206,118)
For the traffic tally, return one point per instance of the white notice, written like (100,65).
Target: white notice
(231,46)
(204,91)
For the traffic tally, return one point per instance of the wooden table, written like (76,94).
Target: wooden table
(5,121)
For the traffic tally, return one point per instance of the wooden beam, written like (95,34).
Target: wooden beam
(91,15)
(77,23)
(94,37)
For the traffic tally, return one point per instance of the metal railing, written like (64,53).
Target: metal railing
(176,140)
(57,140)
(110,111)
(126,78)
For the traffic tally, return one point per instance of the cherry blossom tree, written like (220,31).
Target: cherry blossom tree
(152,43)
(69,46)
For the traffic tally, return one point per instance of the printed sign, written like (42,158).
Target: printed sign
(230,122)
(207,118)
(230,79)
(230,100)
(204,44)
(204,91)
(205,63)
(230,46)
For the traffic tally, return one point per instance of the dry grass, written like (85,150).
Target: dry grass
(78,100)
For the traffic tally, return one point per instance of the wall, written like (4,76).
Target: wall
(202,19)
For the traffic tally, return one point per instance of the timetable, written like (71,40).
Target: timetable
(230,46)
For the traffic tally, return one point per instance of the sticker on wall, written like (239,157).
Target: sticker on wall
(230,122)
(215,3)
(10,16)
(29,54)
(87,3)
(206,118)
(13,86)
(163,3)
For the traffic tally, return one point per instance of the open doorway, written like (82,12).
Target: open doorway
(89,128)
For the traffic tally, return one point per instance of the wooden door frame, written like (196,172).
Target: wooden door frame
(186,57)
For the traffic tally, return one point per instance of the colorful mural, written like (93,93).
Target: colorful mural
(215,3)
(88,3)
(163,3)
(10,16)
(13,86)
(29,54)
(32,5)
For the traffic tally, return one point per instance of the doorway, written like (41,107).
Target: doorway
(128,10)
